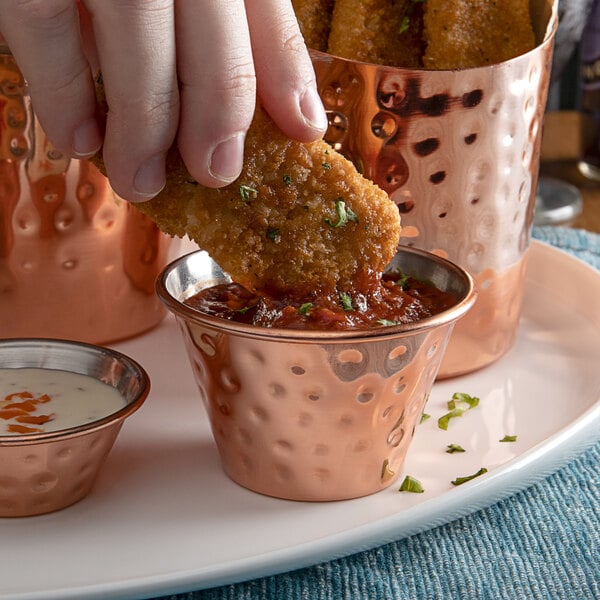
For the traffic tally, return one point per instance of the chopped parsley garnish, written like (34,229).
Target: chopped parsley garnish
(410,484)
(344,214)
(327,166)
(404,24)
(247,193)
(403,280)
(461,480)
(244,309)
(424,417)
(509,438)
(459,404)
(287,179)
(387,322)
(464,399)
(452,448)
(305,308)
(273,233)
(346,300)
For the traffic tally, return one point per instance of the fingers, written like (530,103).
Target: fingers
(218,87)
(44,38)
(136,49)
(286,79)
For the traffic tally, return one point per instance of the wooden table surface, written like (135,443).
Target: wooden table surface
(561,141)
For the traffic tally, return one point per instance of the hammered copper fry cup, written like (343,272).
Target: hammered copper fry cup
(45,472)
(76,261)
(458,151)
(308,415)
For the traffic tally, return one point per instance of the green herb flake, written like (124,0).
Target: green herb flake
(404,24)
(346,301)
(244,310)
(509,438)
(458,405)
(327,166)
(424,417)
(410,484)
(247,193)
(445,419)
(304,309)
(344,214)
(287,179)
(273,234)
(387,322)
(461,480)
(452,448)
(403,281)
(466,400)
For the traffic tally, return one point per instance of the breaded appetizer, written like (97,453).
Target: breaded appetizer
(314,18)
(471,33)
(385,32)
(300,217)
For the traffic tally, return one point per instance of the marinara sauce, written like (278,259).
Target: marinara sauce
(397,299)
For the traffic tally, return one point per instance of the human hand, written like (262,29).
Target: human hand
(187,70)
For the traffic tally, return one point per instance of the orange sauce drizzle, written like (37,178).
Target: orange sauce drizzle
(18,407)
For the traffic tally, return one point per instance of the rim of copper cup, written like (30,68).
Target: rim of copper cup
(138,399)
(449,315)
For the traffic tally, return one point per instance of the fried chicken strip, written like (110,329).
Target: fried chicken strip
(385,32)
(314,18)
(471,33)
(300,217)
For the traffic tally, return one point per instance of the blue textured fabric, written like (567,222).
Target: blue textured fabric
(542,543)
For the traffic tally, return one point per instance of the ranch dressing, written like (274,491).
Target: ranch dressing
(34,400)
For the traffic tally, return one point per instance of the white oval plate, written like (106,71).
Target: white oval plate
(163,518)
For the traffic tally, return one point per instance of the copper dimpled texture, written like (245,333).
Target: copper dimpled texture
(307,415)
(76,262)
(458,152)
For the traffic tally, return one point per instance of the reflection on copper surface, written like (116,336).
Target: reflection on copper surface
(488,331)
(313,421)
(76,261)
(458,152)
(313,415)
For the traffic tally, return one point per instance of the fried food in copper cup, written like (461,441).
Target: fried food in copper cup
(453,139)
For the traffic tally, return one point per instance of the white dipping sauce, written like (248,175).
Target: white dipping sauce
(74,399)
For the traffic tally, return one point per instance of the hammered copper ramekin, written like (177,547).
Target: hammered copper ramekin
(313,415)
(458,151)
(45,472)
(76,261)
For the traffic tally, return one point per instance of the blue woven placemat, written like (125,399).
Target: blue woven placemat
(542,543)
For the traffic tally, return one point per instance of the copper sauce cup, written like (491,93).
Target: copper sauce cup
(45,472)
(76,261)
(458,151)
(308,415)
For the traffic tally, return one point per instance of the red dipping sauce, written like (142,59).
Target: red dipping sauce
(398,299)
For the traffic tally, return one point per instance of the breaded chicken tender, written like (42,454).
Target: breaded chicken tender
(471,33)
(299,218)
(385,32)
(314,18)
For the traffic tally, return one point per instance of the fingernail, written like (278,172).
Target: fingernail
(87,139)
(312,109)
(150,177)
(227,159)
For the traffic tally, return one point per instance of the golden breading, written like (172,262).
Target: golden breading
(385,32)
(300,217)
(471,33)
(314,18)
